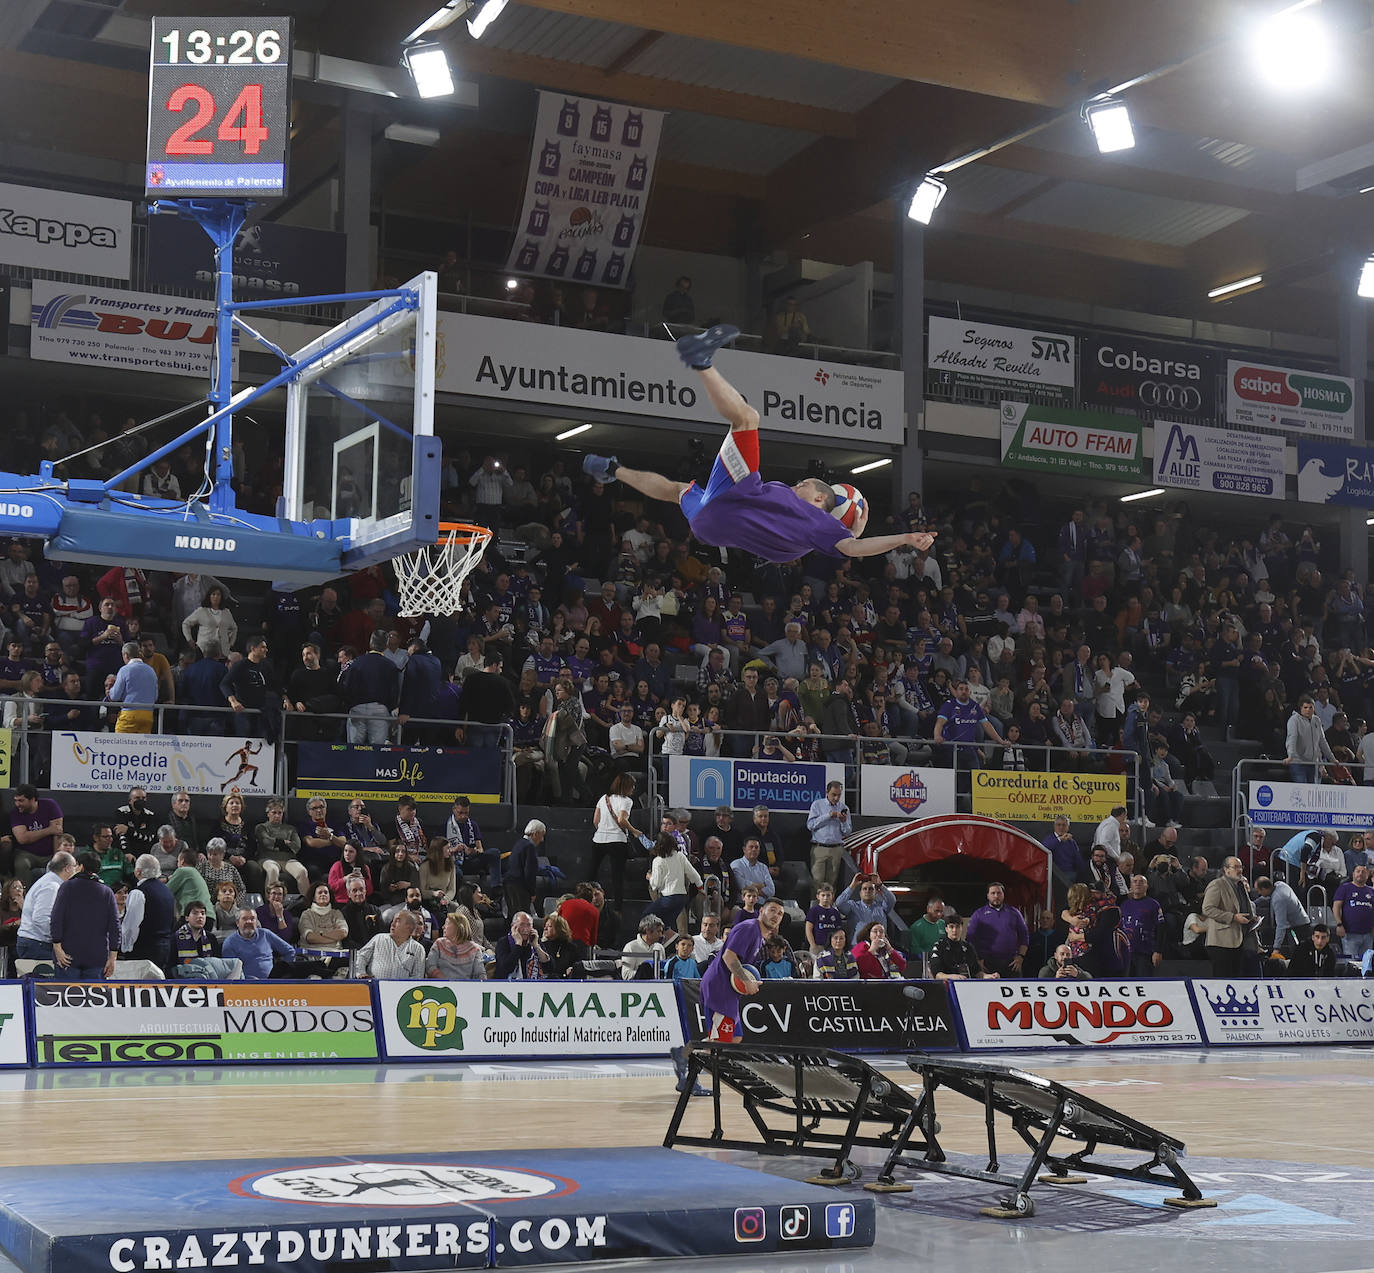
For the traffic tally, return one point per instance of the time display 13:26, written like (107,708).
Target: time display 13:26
(219,106)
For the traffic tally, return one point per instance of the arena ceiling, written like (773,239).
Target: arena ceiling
(799,125)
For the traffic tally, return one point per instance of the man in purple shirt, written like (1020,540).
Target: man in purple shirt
(719,998)
(35,824)
(103,638)
(1141,917)
(737,508)
(1354,907)
(999,933)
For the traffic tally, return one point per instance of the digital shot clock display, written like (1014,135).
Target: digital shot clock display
(219,107)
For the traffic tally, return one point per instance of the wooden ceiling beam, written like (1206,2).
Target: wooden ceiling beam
(647,90)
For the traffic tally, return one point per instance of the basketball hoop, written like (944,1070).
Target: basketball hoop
(430,579)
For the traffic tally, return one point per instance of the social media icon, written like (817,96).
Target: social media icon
(839,1220)
(749,1225)
(794,1222)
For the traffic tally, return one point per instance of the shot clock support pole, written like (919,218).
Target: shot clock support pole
(221,219)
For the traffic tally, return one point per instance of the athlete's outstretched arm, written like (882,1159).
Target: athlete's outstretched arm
(884,543)
(728,400)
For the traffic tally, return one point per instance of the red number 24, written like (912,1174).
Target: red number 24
(248,104)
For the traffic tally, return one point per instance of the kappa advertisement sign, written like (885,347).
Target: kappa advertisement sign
(991,356)
(900,791)
(696,782)
(1302,804)
(565,367)
(1284,1011)
(591,170)
(1042,797)
(1172,382)
(204,765)
(65,232)
(1072,443)
(465,1020)
(850,1016)
(1195,458)
(174,1023)
(135,331)
(1334,474)
(1311,402)
(1046,1014)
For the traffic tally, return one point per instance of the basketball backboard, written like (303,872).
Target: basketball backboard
(360,445)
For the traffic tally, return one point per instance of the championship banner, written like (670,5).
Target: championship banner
(849,1016)
(899,791)
(470,1020)
(1315,403)
(203,764)
(136,331)
(696,782)
(591,170)
(61,231)
(1047,1014)
(1171,381)
(1071,443)
(563,367)
(1305,804)
(14,1041)
(1333,474)
(185,1023)
(1300,1010)
(986,355)
(434,775)
(270,259)
(1195,458)
(1042,797)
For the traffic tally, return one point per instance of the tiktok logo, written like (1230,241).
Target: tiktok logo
(794,1223)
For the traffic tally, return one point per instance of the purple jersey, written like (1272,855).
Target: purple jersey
(766,519)
(717,992)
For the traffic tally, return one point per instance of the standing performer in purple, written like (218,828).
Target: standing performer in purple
(720,1001)
(737,508)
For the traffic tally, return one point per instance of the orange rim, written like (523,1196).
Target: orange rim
(465,531)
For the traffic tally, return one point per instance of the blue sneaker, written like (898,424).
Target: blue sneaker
(600,468)
(698,350)
(697,1089)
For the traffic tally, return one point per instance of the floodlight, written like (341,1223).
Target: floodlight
(927,198)
(428,67)
(1110,121)
(487,13)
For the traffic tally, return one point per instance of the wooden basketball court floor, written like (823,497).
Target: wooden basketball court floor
(1281,1136)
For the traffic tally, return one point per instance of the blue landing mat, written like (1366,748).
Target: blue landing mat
(413,1212)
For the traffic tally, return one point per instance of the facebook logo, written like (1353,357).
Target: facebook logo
(839,1220)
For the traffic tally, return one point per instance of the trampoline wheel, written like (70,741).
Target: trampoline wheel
(851,1170)
(1071,1113)
(1025,1204)
(881,1088)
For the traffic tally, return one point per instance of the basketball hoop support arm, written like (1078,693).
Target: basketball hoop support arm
(221,219)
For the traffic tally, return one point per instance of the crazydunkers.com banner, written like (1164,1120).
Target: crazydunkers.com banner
(463,1020)
(696,782)
(591,169)
(565,367)
(202,764)
(171,1023)
(1071,443)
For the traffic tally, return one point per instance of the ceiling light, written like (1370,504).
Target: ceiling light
(1366,287)
(1110,121)
(512,284)
(487,13)
(927,198)
(870,466)
(415,134)
(1226,289)
(428,67)
(571,433)
(439,19)
(1292,51)
(1369,521)
(1130,499)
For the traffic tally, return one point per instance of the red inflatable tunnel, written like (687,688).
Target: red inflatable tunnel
(890,849)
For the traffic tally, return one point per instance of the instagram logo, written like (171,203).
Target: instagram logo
(749,1226)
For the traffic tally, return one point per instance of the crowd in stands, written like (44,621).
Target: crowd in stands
(599,634)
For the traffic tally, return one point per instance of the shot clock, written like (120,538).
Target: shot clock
(219,106)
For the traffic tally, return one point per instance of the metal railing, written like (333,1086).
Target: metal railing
(845,749)
(180,718)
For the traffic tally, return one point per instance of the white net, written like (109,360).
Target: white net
(430,579)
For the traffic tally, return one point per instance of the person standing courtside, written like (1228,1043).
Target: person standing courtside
(371,687)
(829,822)
(1230,920)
